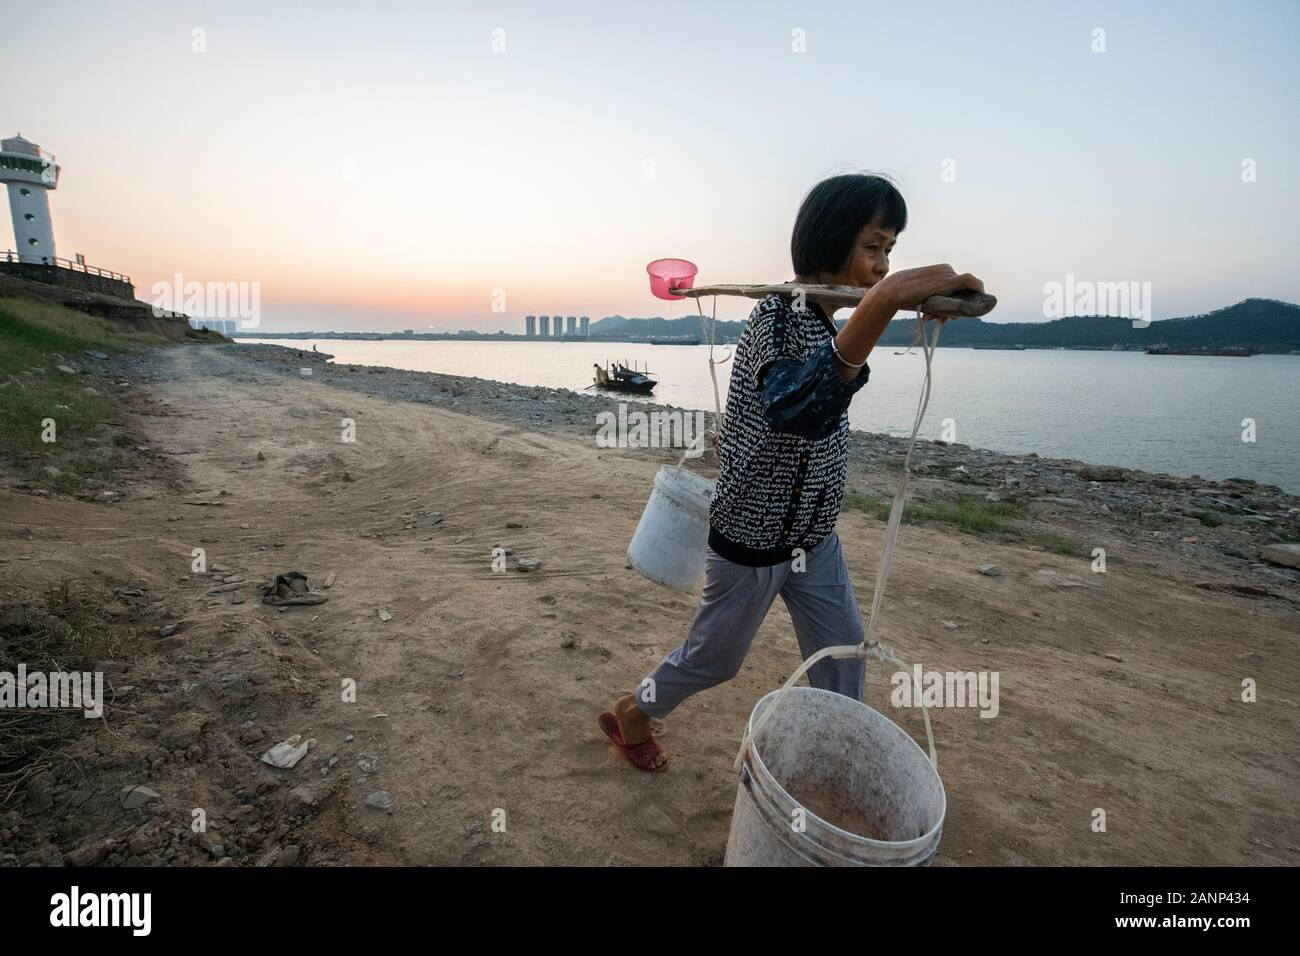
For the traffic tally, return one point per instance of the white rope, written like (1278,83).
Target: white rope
(710,333)
(691,447)
(871,648)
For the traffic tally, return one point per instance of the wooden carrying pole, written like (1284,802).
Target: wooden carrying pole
(957,304)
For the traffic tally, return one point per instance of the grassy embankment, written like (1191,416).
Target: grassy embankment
(70,626)
(38,401)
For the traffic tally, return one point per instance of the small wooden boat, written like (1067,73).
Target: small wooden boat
(620,378)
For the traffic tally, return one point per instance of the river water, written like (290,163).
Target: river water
(1178,414)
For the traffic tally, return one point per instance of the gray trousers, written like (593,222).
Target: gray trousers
(735,600)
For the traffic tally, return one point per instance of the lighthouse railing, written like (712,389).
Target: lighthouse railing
(10,256)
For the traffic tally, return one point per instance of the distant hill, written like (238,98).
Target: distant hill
(1265,325)
(619,328)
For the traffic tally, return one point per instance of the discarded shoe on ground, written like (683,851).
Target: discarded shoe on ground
(291,587)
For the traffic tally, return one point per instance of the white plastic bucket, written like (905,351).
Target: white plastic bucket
(870,795)
(669,543)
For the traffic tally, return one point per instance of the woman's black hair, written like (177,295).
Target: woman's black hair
(832,215)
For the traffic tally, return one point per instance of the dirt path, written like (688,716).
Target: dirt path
(484,709)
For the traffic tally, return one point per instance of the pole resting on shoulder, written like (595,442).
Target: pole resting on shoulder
(953,305)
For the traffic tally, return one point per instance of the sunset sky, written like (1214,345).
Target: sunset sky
(381,166)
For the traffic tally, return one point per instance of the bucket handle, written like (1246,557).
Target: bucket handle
(867,650)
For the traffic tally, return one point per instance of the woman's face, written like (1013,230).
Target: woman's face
(869,261)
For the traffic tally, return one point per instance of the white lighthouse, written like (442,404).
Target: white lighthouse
(30,173)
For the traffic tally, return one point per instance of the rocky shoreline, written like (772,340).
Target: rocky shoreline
(1231,527)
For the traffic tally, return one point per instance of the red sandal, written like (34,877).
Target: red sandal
(640,754)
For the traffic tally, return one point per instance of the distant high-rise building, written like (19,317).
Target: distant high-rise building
(546,326)
(530,325)
(571,325)
(585,323)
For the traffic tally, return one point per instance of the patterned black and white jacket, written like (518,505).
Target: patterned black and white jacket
(784,447)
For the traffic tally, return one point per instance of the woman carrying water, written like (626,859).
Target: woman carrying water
(784,457)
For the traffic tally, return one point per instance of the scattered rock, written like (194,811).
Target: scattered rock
(657,820)
(1048,503)
(528,565)
(137,796)
(90,854)
(289,856)
(235,686)
(1053,578)
(380,800)
(990,570)
(140,842)
(1100,473)
(181,734)
(1287,555)
(304,797)
(1227,584)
